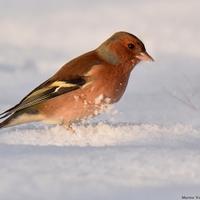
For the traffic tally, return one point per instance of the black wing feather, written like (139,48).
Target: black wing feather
(46,91)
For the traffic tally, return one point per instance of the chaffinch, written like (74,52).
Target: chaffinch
(83,87)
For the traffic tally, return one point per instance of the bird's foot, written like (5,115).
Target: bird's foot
(68,127)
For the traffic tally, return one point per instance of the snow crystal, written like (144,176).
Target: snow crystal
(98,99)
(76,97)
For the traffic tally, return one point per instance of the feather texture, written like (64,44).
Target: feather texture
(51,90)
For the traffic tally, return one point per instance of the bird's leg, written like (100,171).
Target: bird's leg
(70,129)
(67,126)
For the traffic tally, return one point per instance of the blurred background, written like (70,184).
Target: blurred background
(38,37)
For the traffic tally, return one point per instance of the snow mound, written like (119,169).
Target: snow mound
(103,134)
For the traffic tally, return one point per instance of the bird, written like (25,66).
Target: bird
(83,87)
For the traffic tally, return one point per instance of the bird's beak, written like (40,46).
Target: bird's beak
(144,56)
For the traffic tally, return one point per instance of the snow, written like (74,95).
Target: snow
(147,146)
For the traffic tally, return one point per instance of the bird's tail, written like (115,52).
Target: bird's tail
(3,124)
(21,117)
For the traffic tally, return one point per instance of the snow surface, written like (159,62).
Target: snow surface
(148,146)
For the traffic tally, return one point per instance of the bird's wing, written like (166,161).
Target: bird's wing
(47,90)
(70,77)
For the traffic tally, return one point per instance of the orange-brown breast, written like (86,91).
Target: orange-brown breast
(106,85)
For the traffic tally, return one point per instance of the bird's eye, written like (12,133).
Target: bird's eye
(131,46)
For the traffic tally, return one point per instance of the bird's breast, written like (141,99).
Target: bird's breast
(105,85)
(108,81)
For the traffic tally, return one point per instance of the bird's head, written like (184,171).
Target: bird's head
(122,47)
